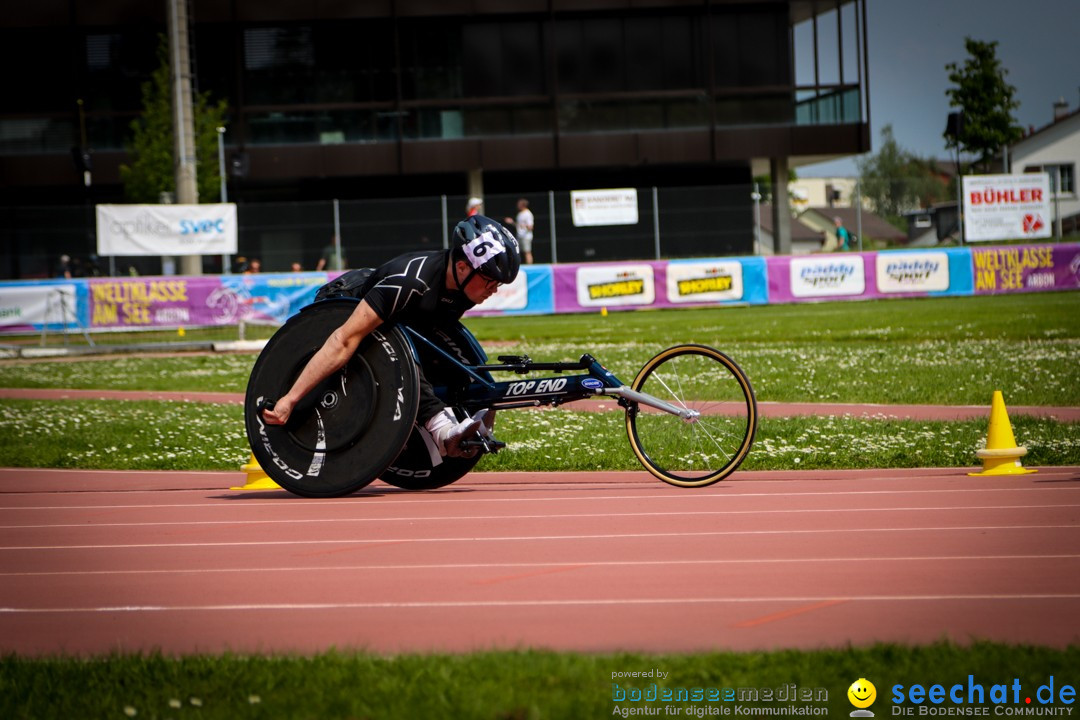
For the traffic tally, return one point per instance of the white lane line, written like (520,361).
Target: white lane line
(537,538)
(473,604)
(545,516)
(533,565)
(451,496)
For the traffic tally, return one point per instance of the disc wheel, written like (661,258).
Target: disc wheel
(708,447)
(413,469)
(351,426)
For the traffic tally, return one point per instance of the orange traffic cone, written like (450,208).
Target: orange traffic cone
(1001,456)
(257,479)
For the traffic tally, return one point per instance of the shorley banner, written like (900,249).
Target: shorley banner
(166,229)
(1006,207)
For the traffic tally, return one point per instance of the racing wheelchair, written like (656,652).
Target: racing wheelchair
(690,413)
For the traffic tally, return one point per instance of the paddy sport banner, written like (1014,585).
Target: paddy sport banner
(166,229)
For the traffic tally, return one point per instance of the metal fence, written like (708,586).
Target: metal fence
(673,223)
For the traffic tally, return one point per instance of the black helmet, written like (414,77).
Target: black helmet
(488,248)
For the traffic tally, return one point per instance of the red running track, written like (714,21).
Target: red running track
(94,562)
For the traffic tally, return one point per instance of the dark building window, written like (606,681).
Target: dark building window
(750,46)
(663,53)
(589,55)
(503,59)
(278,64)
(430,59)
(37,71)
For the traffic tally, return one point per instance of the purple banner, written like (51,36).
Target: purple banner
(146,302)
(590,287)
(1026,268)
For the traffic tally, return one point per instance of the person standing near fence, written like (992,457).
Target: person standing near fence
(523,229)
(843,237)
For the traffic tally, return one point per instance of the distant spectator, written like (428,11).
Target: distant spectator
(330,259)
(475,206)
(63,268)
(843,237)
(523,228)
(296,267)
(254,266)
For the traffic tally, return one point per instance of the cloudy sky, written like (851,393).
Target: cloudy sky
(911,41)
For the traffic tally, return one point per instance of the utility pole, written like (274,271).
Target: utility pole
(187,192)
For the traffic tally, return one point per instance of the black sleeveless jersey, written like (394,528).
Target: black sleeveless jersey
(411,289)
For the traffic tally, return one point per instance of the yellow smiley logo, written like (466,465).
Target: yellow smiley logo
(862,693)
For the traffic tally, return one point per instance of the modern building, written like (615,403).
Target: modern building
(409,98)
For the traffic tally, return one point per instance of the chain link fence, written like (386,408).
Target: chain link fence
(673,223)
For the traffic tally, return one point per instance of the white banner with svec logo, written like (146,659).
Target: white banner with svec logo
(166,229)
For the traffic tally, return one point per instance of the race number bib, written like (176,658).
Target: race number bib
(481,249)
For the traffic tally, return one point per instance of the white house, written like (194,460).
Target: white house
(1053,149)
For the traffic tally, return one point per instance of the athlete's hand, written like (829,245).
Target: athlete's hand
(279,413)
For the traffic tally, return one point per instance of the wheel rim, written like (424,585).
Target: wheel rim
(713,444)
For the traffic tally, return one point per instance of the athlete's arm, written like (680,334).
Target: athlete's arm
(331,357)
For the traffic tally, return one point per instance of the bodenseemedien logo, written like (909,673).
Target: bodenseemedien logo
(862,695)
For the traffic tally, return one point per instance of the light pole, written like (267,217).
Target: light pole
(224,189)
(756,197)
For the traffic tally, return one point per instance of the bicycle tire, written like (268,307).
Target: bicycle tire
(712,446)
(349,428)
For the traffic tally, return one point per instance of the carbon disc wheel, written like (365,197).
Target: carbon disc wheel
(350,427)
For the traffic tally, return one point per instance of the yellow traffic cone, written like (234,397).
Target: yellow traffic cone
(1001,456)
(256,478)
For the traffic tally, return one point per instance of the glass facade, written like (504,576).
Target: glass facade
(384,80)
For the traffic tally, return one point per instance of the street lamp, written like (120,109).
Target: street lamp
(756,197)
(224,190)
(954,127)
(221,163)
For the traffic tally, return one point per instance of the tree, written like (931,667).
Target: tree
(894,180)
(985,100)
(152,169)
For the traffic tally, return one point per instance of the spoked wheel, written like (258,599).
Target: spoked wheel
(708,447)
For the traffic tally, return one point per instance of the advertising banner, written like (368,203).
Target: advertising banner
(946,271)
(530,293)
(166,229)
(912,272)
(615,285)
(616,206)
(660,284)
(1006,207)
(31,306)
(1026,268)
(820,276)
(702,282)
(148,302)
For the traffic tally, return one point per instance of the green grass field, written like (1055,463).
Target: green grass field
(929,351)
(940,351)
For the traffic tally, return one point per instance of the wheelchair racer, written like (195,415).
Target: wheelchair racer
(428,291)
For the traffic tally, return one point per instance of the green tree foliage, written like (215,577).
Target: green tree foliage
(986,101)
(152,169)
(894,180)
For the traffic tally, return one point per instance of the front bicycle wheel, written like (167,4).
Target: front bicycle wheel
(708,447)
